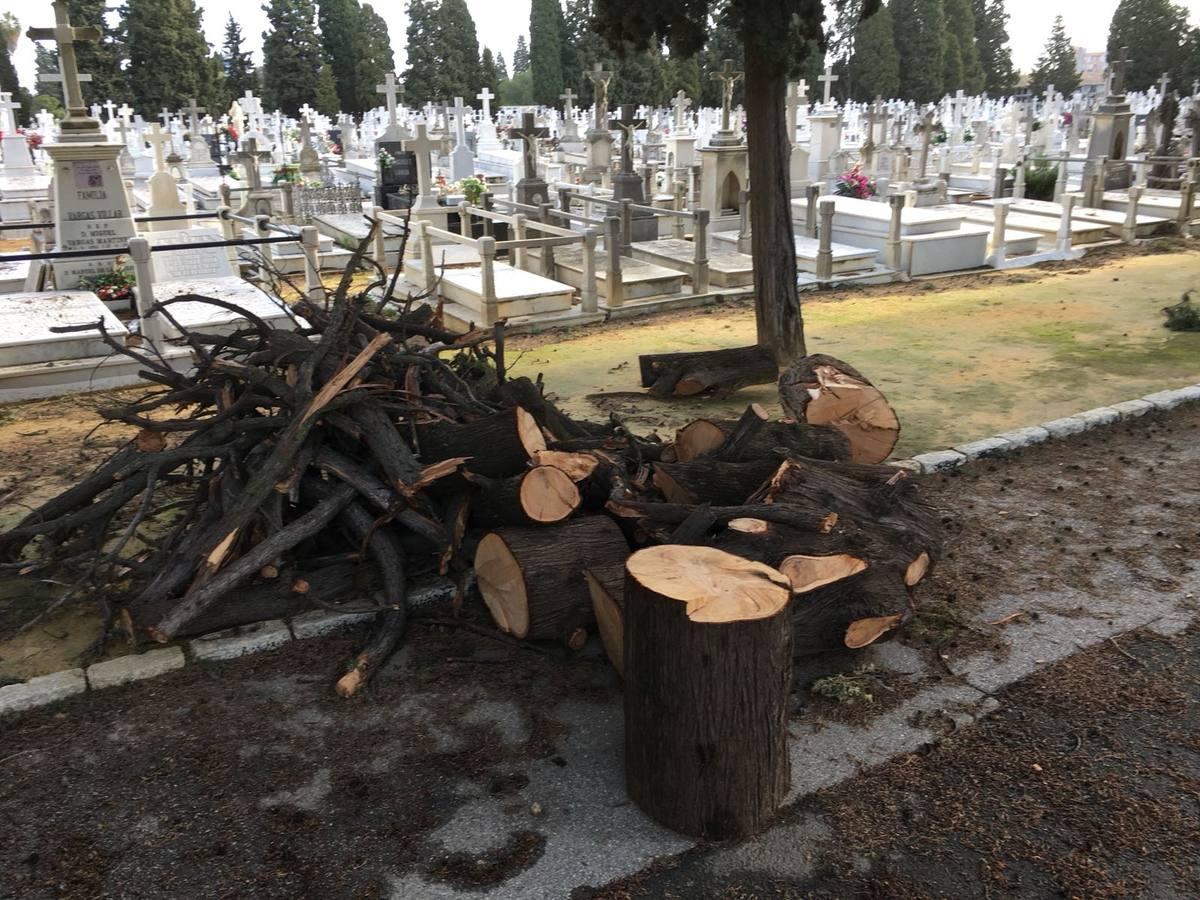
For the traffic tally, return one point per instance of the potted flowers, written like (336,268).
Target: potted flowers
(112,287)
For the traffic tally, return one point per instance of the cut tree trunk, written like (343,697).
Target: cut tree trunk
(712,481)
(606,584)
(532,578)
(822,390)
(542,495)
(780,327)
(708,667)
(496,445)
(753,436)
(712,372)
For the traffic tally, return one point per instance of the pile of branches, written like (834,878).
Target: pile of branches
(335,460)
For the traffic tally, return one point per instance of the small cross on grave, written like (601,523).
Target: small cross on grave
(828,79)
(728,78)
(599,77)
(77,125)
(157,140)
(8,121)
(568,98)
(390,88)
(681,104)
(1163,84)
(628,123)
(249,160)
(193,112)
(460,122)
(125,112)
(109,106)
(307,112)
(1118,71)
(1049,97)
(794,101)
(486,97)
(165,115)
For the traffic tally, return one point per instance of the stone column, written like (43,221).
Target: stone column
(1129,231)
(999,237)
(700,272)
(487,280)
(1063,244)
(892,253)
(587,287)
(825,242)
(612,243)
(812,195)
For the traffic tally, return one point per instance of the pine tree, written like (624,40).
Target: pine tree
(341,30)
(501,67)
(875,65)
(240,74)
(1156,33)
(520,56)
(325,97)
(375,60)
(169,60)
(292,63)
(49,95)
(490,71)
(991,40)
(545,50)
(920,27)
(1056,65)
(962,53)
(424,48)
(586,48)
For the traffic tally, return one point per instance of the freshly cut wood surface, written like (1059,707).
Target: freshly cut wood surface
(607,588)
(916,569)
(548,494)
(698,438)
(502,585)
(866,631)
(807,573)
(716,586)
(822,390)
(578,465)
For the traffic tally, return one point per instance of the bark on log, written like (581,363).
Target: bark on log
(532,578)
(497,445)
(708,665)
(711,481)
(706,372)
(706,437)
(606,585)
(822,390)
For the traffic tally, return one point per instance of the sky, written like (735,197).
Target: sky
(498,22)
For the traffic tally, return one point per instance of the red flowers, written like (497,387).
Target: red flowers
(855,184)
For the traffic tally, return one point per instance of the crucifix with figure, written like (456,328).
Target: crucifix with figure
(728,78)
(628,124)
(78,125)
(1118,71)
(528,134)
(599,77)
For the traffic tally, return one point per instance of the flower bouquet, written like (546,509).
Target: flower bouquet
(855,184)
(111,286)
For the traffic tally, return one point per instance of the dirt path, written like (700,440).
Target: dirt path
(471,767)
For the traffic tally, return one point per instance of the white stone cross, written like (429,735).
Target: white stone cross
(795,99)
(193,112)
(828,78)
(568,99)
(306,112)
(165,116)
(802,89)
(681,104)
(8,123)
(486,97)
(389,87)
(1049,98)
(124,112)
(460,122)
(422,145)
(109,106)
(156,140)
(1163,85)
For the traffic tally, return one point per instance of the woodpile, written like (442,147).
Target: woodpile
(300,468)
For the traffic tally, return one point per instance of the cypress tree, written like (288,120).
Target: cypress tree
(920,27)
(585,48)
(49,95)
(991,40)
(875,65)
(490,71)
(460,75)
(545,50)
(169,60)
(520,56)
(10,28)
(102,60)
(375,60)
(1157,35)
(1056,65)
(501,67)
(341,30)
(240,74)
(292,63)
(423,36)
(960,33)
(325,96)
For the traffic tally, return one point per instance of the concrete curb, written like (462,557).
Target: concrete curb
(217,646)
(1006,442)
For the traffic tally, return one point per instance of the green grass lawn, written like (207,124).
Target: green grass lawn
(957,363)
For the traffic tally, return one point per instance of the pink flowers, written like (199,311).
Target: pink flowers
(855,184)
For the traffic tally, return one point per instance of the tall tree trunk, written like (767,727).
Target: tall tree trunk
(777,304)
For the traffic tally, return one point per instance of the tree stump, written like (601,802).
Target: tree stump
(822,390)
(532,578)
(708,670)
(712,372)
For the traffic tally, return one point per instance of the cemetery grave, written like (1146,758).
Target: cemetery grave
(655,390)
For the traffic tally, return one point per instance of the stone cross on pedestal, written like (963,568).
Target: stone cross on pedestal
(1118,72)
(628,123)
(8,113)
(460,122)
(165,115)
(390,88)
(728,78)
(78,125)
(422,145)
(529,133)
(193,112)
(1163,84)
(486,97)
(794,100)
(599,77)
(249,160)
(568,98)
(828,79)
(157,140)
(681,104)
(306,112)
